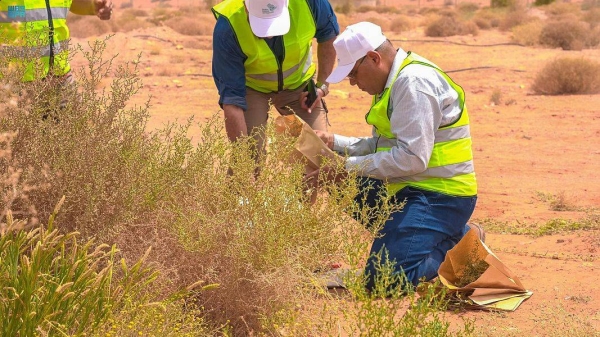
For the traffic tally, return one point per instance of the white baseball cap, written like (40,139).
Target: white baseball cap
(353,44)
(268,17)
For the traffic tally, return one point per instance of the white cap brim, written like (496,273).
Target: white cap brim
(340,72)
(271,27)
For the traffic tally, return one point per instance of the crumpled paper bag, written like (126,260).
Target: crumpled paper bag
(495,288)
(309,148)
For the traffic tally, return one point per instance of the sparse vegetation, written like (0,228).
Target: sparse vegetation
(449,25)
(568,76)
(496,97)
(528,34)
(567,34)
(590,221)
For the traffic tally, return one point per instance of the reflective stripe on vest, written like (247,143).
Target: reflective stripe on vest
(263,71)
(36,36)
(450,169)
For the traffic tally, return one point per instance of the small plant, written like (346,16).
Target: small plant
(496,97)
(474,268)
(568,76)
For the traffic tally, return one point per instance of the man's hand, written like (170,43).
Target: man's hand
(303,97)
(103,9)
(326,137)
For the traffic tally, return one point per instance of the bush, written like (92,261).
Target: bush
(528,34)
(468,7)
(542,2)
(449,26)
(514,17)
(566,34)
(561,8)
(487,18)
(592,17)
(568,76)
(401,23)
(502,3)
(52,286)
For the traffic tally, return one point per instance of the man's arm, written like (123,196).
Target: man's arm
(325,59)
(235,122)
(100,8)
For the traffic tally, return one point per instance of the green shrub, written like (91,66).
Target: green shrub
(51,285)
(568,76)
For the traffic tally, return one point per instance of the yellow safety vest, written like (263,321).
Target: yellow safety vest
(450,169)
(263,71)
(36,32)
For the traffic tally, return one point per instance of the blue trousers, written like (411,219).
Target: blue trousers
(416,239)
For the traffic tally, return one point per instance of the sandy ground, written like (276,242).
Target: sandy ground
(527,147)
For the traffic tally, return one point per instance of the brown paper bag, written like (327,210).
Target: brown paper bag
(493,285)
(308,148)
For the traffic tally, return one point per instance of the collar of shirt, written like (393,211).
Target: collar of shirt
(400,56)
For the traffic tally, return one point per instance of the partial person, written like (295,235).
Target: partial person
(419,152)
(262,56)
(38,28)
(34,33)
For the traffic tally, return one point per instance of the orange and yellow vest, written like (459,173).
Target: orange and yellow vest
(450,169)
(36,32)
(264,73)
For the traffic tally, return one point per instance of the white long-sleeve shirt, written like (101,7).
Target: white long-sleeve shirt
(421,100)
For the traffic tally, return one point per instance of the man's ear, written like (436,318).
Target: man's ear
(374,56)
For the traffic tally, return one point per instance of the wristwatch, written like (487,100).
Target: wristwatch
(324,87)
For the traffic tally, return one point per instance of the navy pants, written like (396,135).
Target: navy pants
(416,238)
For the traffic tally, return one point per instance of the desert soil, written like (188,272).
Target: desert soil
(526,147)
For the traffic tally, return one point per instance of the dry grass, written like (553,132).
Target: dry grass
(568,76)
(528,34)
(401,23)
(568,34)
(449,25)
